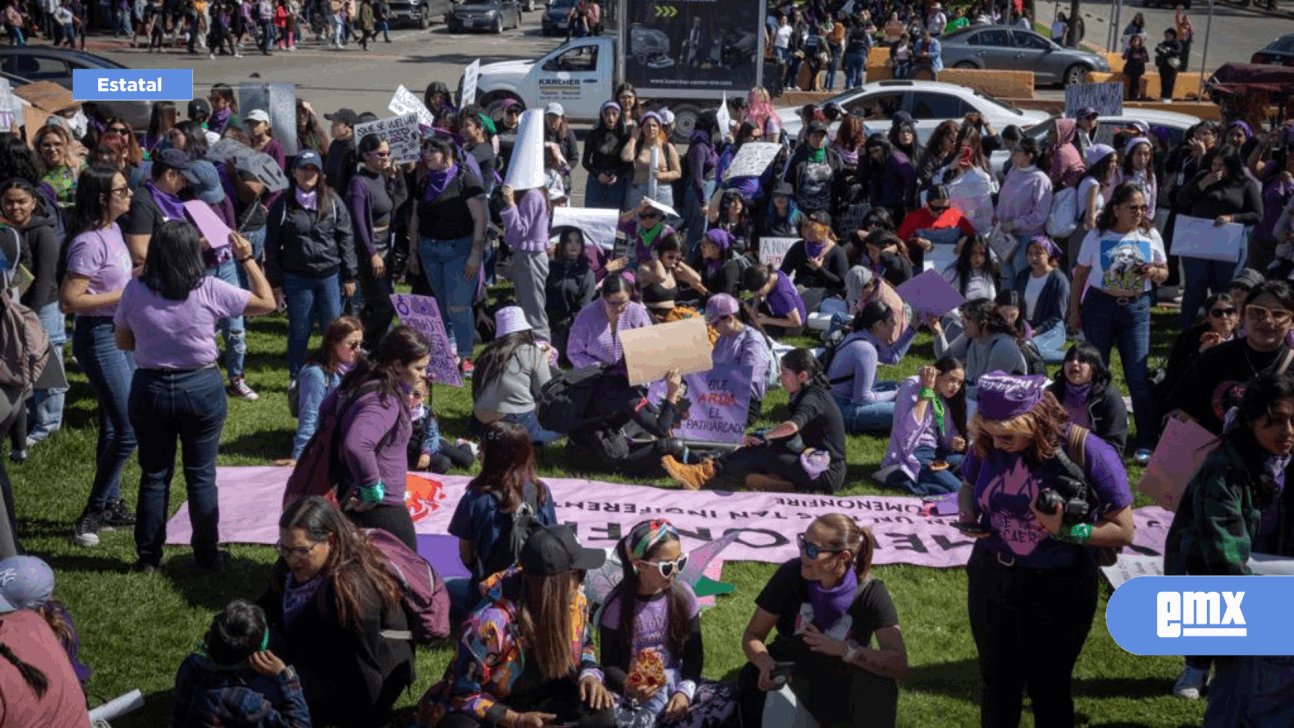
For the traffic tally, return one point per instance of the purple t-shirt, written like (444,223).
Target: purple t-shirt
(178,334)
(102,256)
(784,299)
(1005,486)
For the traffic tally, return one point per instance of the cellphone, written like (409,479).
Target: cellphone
(966,154)
(974,529)
(781,672)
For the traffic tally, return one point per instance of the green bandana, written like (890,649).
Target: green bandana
(817,155)
(649,236)
(487,123)
(937,406)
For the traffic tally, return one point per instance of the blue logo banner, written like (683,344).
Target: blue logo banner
(121,84)
(1203,615)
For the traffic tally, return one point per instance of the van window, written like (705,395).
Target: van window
(579,58)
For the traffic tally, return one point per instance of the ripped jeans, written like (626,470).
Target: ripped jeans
(442,263)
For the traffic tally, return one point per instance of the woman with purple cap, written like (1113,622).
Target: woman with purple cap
(719,268)
(1240,136)
(1040,496)
(510,372)
(741,342)
(605,188)
(1046,295)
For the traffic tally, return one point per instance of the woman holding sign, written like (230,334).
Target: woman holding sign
(741,342)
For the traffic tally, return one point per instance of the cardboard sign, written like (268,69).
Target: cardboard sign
(423,315)
(209,225)
(8,112)
(401,132)
(720,402)
(261,166)
(404,102)
(773,250)
(752,159)
(598,225)
(46,96)
(1182,449)
(1106,98)
(651,351)
(526,168)
(279,100)
(470,76)
(930,293)
(1197,237)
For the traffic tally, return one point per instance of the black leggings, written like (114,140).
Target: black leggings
(451,456)
(559,697)
(835,695)
(395,520)
(777,460)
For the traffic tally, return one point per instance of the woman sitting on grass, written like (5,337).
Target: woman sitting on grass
(928,437)
(323,371)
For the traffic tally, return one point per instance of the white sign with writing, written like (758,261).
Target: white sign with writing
(1106,98)
(470,76)
(404,102)
(773,250)
(752,159)
(401,132)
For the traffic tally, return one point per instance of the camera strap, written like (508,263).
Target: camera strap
(1075,449)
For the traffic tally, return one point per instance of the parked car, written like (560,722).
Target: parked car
(554,20)
(929,102)
(1107,126)
(1003,48)
(419,13)
(493,15)
(34,63)
(1279,52)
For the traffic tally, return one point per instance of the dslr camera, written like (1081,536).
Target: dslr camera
(1068,492)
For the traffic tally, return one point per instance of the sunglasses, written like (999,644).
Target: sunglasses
(1138,208)
(668,569)
(1220,312)
(1278,315)
(379,155)
(117,130)
(813,550)
(301,551)
(649,216)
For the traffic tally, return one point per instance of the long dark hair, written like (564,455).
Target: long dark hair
(161,120)
(1261,394)
(20,160)
(679,627)
(507,464)
(1012,297)
(963,263)
(1084,353)
(984,313)
(326,355)
(494,359)
(354,568)
(93,188)
(802,361)
(616,283)
(32,675)
(1120,196)
(174,265)
(957,402)
(325,198)
(195,139)
(399,348)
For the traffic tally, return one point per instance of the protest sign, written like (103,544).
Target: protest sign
(720,401)
(944,254)
(526,168)
(724,117)
(1182,449)
(604,512)
(1198,237)
(773,250)
(208,224)
(279,100)
(45,98)
(651,351)
(404,102)
(470,76)
(423,315)
(752,159)
(1106,98)
(930,293)
(598,225)
(401,132)
(8,112)
(1130,566)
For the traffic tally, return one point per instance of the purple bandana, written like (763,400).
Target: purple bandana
(438,181)
(308,200)
(829,605)
(170,205)
(813,250)
(1004,396)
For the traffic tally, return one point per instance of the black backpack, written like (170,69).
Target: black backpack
(1032,358)
(832,341)
(521,523)
(565,399)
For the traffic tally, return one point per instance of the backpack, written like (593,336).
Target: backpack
(565,398)
(521,524)
(1032,358)
(318,471)
(1063,220)
(423,593)
(24,347)
(833,341)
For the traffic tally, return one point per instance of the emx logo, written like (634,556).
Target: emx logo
(1203,610)
(1202,615)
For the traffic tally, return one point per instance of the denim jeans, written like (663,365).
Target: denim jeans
(385,27)
(45,408)
(930,482)
(603,196)
(257,239)
(832,67)
(530,421)
(231,329)
(694,218)
(1051,343)
(188,406)
(309,301)
(443,262)
(109,370)
(1107,323)
(337,27)
(267,36)
(1201,277)
(1018,261)
(871,417)
(855,73)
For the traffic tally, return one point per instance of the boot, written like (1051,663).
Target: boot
(691,477)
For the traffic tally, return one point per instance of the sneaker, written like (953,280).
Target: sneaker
(116,515)
(1142,457)
(18,456)
(85,532)
(1190,683)
(145,567)
(466,367)
(238,388)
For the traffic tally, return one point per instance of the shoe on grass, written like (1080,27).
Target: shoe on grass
(1142,456)
(116,515)
(1190,683)
(238,388)
(85,531)
(691,477)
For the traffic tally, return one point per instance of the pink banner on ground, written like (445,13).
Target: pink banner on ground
(602,512)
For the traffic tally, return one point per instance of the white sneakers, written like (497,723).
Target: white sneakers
(1190,683)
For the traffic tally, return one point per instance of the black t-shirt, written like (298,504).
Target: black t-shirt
(1216,381)
(447,217)
(483,153)
(820,422)
(144,216)
(787,596)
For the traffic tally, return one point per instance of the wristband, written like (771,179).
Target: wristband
(372,494)
(1078,534)
(244,261)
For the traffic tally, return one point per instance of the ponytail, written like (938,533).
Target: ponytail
(31,674)
(802,361)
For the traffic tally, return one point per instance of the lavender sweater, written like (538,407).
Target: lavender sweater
(747,349)
(591,341)
(858,358)
(1025,199)
(525,227)
(909,433)
(375,435)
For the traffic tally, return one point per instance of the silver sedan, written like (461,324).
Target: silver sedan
(1003,48)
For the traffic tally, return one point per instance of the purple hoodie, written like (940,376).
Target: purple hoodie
(1066,163)
(909,433)
(1025,199)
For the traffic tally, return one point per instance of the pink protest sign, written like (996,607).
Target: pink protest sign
(422,314)
(603,512)
(208,224)
(720,402)
(930,293)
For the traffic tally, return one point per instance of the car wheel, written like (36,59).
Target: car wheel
(966,64)
(424,17)
(1075,74)
(498,24)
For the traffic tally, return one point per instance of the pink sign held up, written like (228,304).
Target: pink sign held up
(421,314)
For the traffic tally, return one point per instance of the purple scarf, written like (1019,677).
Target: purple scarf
(219,120)
(438,181)
(829,605)
(170,205)
(813,250)
(1076,403)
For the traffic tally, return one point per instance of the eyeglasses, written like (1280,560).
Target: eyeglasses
(1277,315)
(1220,312)
(668,569)
(379,155)
(300,551)
(616,304)
(1138,208)
(813,550)
(120,191)
(117,130)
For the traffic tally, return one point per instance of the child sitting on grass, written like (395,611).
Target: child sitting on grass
(428,451)
(27,582)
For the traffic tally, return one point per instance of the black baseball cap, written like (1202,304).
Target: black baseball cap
(199,109)
(554,550)
(822,217)
(345,116)
(817,127)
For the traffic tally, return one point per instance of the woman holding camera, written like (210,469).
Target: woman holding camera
(826,606)
(1032,574)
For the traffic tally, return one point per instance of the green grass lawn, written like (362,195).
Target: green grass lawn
(136,629)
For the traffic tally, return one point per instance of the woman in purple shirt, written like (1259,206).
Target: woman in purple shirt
(927,443)
(98,265)
(167,317)
(781,310)
(375,430)
(595,335)
(525,230)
